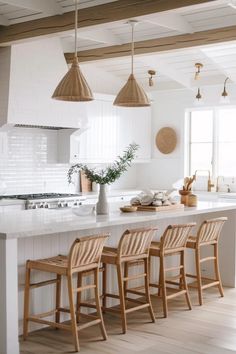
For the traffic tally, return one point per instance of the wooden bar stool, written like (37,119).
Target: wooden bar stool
(208,234)
(172,243)
(133,246)
(84,255)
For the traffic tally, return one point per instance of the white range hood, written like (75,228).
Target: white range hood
(29,73)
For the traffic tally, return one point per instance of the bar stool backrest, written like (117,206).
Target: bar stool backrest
(86,251)
(175,236)
(135,242)
(210,230)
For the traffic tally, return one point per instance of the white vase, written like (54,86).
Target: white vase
(102,207)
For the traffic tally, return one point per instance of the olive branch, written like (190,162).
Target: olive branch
(109,174)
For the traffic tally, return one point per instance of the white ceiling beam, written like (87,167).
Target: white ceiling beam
(161,67)
(4,21)
(48,7)
(172,21)
(101,36)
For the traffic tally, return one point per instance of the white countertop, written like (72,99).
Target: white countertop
(6,202)
(28,223)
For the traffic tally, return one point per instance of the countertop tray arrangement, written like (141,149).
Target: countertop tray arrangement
(160,208)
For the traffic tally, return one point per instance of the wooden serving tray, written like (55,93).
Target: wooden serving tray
(160,208)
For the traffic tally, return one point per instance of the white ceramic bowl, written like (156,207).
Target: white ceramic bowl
(84,210)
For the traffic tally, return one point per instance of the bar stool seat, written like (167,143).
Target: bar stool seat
(133,249)
(207,235)
(60,262)
(84,256)
(172,243)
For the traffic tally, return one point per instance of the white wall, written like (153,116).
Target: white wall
(169,110)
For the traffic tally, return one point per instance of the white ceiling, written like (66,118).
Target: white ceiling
(174,69)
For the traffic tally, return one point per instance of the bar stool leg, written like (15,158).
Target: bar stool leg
(198,271)
(26,301)
(126,273)
(160,290)
(72,313)
(122,298)
(184,282)
(98,305)
(147,289)
(217,271)
(163,285)
(104,287)
(78,297)
(58,298)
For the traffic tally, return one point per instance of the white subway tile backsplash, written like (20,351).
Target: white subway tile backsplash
(30,163)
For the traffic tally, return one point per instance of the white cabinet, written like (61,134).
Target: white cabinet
(109,131)
(98,143)
(135,126)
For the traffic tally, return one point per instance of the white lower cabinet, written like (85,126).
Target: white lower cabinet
(109,131)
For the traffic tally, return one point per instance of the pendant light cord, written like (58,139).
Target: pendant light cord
(76,26)
(132,49)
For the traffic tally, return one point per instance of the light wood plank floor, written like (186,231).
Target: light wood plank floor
(210,328)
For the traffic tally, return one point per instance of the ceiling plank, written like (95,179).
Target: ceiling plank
(172,21)
(162,68)
(224,70)
(100,36)
(91,16)
(218,35)
(51,7)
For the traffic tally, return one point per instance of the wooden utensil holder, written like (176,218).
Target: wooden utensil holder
(184,196)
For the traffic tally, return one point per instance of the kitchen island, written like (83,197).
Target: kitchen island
(42,233)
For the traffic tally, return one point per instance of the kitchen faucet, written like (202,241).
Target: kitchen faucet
(209,182)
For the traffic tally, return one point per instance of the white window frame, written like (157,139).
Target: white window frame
(215,148)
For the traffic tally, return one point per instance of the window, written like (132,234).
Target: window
(212,141)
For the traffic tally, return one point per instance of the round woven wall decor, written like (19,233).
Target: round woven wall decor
(166,140)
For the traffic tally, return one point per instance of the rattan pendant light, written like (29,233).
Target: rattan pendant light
(73,86)
(132,94)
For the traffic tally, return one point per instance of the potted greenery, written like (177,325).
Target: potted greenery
(106,175)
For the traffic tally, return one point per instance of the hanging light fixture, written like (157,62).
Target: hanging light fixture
(132,94)
(198,66)
(224,95)
(198,95)
(151,73)
(73,86)
(198,98)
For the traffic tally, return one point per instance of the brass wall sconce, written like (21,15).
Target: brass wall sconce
(198,66)
(224,94)
(150,81)
(198,95)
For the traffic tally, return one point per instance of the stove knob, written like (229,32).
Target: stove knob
(65,205)
(75,203)
(59,205)
(45,205)
(41,205)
